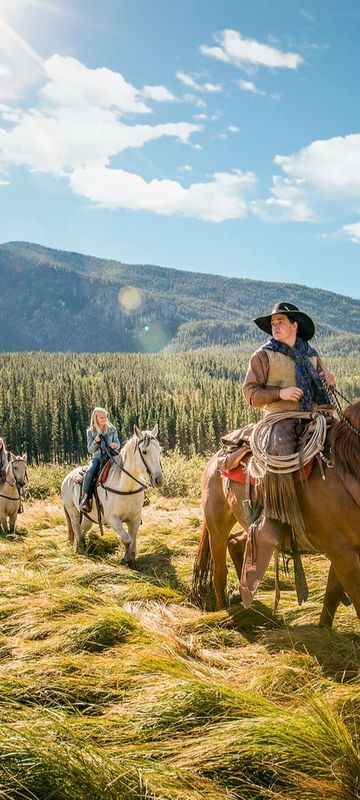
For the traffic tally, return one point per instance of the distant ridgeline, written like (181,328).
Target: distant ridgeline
(46,398)
(72,302)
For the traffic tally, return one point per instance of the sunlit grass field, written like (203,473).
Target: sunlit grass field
(114,685)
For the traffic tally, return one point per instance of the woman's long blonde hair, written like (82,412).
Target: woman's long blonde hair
(94,422)
(2,447)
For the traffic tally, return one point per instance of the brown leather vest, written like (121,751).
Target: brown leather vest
(282,375)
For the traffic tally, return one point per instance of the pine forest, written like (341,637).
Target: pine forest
(46,398)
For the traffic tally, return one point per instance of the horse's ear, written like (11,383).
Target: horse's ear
(155,430)
(137,432)
(24,456)
(10,456)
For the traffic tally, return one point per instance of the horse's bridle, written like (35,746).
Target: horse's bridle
(15,483)
(142,486)
(334,393)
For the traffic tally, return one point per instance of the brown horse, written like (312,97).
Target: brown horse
(330,509)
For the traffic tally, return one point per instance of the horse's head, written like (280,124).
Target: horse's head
(18,468)
(345,440)
(147,450)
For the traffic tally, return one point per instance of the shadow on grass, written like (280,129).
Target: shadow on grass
(337,653)
(159,565)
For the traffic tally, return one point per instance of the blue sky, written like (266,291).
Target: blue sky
(217,137)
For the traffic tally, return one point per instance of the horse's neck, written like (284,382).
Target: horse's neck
(118,479)
(10,480)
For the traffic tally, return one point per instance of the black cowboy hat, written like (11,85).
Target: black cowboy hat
(306,327)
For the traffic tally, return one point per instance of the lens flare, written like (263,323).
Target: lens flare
(130,298)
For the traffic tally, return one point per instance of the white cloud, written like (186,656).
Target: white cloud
(78,120)
(233,129)
(330,166)
(9,113)
(353,231)
(191,98)
(215,201)
(72,84)
(78,126)
(3,179)
(68,137)
(325,172)
(187,80)
(249,86)
(21,66)
(159,93)
(233,48)
(287,202)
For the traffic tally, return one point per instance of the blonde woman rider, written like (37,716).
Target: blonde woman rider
(101,435)
(3,460)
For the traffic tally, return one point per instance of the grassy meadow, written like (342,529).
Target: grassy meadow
(114,686)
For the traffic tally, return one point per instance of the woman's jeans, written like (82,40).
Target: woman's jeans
(91,473)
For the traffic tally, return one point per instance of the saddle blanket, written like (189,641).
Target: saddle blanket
(79,476)
(238,474)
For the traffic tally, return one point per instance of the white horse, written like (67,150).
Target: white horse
(122,496)
(10,496)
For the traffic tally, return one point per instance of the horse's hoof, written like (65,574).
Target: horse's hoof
(130,564)
(235,597)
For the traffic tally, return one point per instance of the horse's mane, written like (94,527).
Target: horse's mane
(346,443)
(128,445)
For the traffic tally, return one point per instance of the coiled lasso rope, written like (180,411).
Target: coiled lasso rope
(262,462)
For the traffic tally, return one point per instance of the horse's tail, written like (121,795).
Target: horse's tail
(202,572)
(71,532)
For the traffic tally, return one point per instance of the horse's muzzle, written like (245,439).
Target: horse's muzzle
(158,481)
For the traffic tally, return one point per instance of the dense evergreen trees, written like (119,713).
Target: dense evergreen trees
(46,398)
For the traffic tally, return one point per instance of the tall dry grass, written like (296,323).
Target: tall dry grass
(113,685)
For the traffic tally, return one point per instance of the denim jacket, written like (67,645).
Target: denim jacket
(98,447)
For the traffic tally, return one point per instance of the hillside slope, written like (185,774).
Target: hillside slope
(57,300)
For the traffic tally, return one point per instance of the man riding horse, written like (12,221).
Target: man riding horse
(285,375)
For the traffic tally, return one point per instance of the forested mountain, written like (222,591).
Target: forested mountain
(58,301)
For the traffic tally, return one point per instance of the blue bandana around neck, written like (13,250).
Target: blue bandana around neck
(307,378)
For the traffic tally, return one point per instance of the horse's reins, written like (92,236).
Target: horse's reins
(142,486)
(6,496)
(335,394)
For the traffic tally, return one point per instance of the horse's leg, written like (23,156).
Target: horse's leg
(78,538)
(116,524)
(133,527)
(3,523)
(346,565)
(218,541)
(236,545)
(12,522)
(333,594)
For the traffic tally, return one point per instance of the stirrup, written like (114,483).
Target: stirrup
(85,504)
